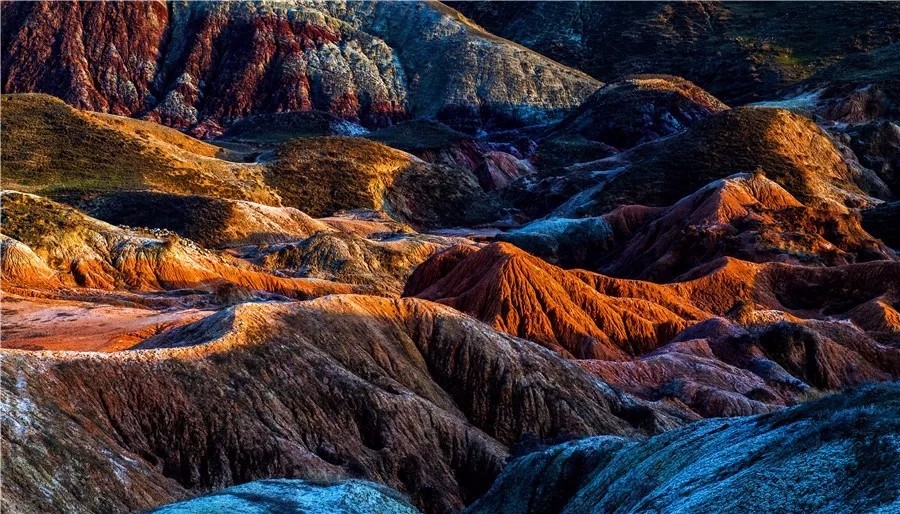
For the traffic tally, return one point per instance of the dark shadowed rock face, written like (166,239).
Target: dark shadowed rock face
(836,454)
(786,147)
(199,66)
(739,51)
(403,392)
(877,146)
(883,222)
(209,222)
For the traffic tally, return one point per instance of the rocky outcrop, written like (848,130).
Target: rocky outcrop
(407,393)
(199,67)
(739,52)
(260,497)
(754,364)
(436,143)
(566,242)
(837,454)
(745,216)
(636,110)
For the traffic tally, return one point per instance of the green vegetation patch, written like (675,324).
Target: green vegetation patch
(418,135)
(46,145)
(323,175)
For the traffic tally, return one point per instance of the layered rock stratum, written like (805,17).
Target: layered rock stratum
(201,66)
(371,257)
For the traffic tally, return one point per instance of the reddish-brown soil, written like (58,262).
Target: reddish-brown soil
(728,338)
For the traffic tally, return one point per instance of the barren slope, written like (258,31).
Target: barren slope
(789,330)
(785,147)
(404,392)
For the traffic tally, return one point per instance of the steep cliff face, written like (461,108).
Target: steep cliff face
(405,392)
(200,66)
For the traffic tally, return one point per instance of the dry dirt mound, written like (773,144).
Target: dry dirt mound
(210,222)
(407,393)
(323,175)
(380,266)
(524,296)
(637,110)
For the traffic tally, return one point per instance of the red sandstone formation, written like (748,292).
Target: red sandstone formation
(201,66)
(793,328)
(524,296)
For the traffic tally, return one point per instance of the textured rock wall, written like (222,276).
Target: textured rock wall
(199,65)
